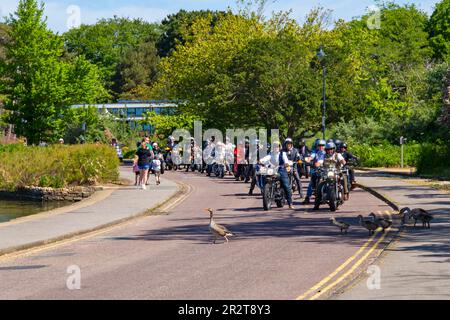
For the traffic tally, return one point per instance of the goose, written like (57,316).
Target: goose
(417,214)
(342,225)
(383,223)
(216,229)
(368,224)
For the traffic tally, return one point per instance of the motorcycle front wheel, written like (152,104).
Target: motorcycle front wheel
(267,197)
(332,199)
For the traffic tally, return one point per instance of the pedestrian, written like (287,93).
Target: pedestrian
(116,145)
(156,167)
(142,159)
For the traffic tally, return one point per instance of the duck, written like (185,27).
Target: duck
(383,223)
(417,214)
(216,229)
(368,224)
(342,225)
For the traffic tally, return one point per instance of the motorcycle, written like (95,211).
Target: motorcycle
(330,189)
(268,180)
(219,167)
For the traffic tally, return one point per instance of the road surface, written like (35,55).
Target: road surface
(276,255)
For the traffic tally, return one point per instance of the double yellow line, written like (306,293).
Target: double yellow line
(326,285)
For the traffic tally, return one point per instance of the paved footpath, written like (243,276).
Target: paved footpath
(119,204)
(417,265)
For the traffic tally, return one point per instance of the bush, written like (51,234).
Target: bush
(386,155)
(434,160)
(57,166)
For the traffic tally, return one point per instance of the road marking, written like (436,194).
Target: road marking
(350,271)
(339,269)
(343,266)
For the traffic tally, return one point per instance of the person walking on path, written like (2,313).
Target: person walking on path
(142,159)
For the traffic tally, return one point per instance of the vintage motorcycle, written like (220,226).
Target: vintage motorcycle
(330,189)
(268,180)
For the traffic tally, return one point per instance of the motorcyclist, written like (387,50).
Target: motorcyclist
(229,155)
(316,159)
(331,154)
(209,154)
(278,158)
(348,156)
(252,168)
(294,156)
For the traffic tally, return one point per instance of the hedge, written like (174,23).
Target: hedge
(386,155)
(56,166)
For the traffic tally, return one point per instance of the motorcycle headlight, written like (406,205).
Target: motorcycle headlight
(331,174)
(263,170)
(270,172)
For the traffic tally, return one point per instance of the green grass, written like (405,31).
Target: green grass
(56,166)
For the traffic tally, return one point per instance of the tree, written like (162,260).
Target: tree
(106,42)
(177,28)
(138,70)
(439,30)
(38,85)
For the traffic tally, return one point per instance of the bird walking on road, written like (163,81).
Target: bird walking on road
(417,214)
(383,223)
(342,225)
(368,224)
(216,229)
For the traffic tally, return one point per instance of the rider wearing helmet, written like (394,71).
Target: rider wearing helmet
(348,156)
(316,159)
(278,158)
(294,156)
(331,154)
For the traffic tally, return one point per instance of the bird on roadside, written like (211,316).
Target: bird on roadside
(342,225)
(417,214)
(368,224)
(383,223)
(216,229)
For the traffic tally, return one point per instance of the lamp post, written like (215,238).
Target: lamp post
(321,55)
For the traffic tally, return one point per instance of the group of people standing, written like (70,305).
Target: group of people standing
(147,160)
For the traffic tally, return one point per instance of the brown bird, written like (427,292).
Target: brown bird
(216,229)
(383,223)
(342,225)
(417,214)
(368,224)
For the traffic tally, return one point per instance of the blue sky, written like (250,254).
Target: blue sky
(61,12)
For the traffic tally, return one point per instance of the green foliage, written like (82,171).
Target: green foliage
(108,42)
(434,159)
(137,70)
(57,166)
(439,30)
(45,85)
(178,28)
(164,124)
(386,155)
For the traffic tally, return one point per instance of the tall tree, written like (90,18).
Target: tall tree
(177,28)
(39,86)
(439,30)
(106,42)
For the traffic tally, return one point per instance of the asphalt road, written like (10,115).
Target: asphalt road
(275,255)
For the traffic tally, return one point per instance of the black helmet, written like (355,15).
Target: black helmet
(344,145)
(330,146)
(302,142)
(338,143)
(330,140)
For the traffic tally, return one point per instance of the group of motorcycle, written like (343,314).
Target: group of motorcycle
(329,185)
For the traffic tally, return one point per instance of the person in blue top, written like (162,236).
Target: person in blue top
(316,160)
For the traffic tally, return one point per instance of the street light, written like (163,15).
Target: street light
(321,56)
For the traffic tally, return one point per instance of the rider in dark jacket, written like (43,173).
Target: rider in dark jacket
(294,156)
(348,156)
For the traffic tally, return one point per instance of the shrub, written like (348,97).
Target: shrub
(386,155)
(57,166)
(434,159)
